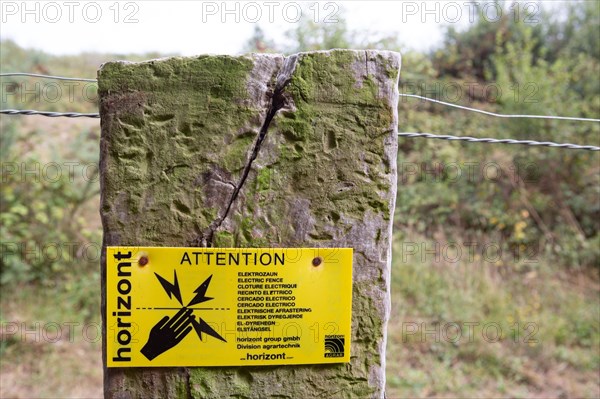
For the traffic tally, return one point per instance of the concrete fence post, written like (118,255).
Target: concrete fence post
(256,151)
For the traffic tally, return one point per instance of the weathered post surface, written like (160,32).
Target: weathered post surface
(257,151)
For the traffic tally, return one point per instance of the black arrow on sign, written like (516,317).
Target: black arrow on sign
(171,288)
(200,293)
(203,327)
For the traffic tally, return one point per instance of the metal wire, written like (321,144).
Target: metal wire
(410,135)
(501,141)
(46,113)
(36,75)
(563,118)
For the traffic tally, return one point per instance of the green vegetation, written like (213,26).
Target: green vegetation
(489,238)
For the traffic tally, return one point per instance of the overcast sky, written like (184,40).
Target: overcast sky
(196,27)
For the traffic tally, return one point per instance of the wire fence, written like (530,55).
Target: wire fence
(48,113)
(532,143)
(37,75)
(480,111)
(406,134)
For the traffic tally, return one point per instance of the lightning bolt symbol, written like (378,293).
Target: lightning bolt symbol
(171,289)
(200,293)
(203,327)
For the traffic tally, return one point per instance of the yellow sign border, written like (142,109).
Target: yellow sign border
(203,307)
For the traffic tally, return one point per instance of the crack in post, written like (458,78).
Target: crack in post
(278,101)
(188,385)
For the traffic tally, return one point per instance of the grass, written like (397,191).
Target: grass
(556,308)
(49,339)
(443,334)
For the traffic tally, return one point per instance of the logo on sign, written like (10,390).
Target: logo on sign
(334,346)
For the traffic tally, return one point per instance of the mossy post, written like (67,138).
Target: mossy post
(257,151)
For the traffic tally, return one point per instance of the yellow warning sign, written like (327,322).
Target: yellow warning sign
(227,306)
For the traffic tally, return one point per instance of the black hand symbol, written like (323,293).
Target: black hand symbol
(168,333)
